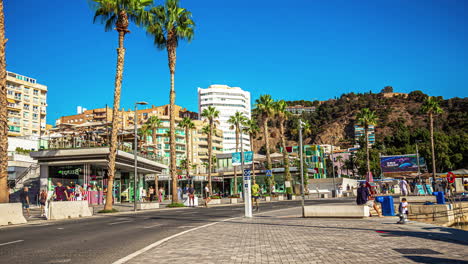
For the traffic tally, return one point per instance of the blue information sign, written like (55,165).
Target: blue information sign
(268,173)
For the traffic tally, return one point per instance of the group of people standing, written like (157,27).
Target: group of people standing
(152,193)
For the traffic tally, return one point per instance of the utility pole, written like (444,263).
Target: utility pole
(302,166)
(333,169)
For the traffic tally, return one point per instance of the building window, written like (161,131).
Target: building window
(26,107)
(36,92)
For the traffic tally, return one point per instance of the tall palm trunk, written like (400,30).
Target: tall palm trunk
(155,150)
(122,25)
(171,54)
(4,194)
(367,152)
(267,146)
(210,153)
(187,146)
(253,156)
(287,173)
(235,167)
(431,121)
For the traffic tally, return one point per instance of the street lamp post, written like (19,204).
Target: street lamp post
(333,169)
(417,160)
(302,166)
(135,150)
(246,183)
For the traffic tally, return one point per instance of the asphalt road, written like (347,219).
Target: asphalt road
(105,239)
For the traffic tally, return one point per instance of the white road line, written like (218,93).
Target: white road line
(151,226)
(12,242)
(121,222)
(157,243)
(184,226)
(60,228)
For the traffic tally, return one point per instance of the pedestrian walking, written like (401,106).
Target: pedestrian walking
(78,192)
(160,194)
(255,195)
(151,193)
(143,195)
(24,197)
(60,192)
(207,195)
(43,201)
(404,187)
(191,192)
(179,193)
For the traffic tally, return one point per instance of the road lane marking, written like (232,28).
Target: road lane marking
(11,242)
(157,243)
(151,226)
(60,228)
(121,222)
(185,226)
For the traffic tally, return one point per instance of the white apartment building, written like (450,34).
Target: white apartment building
(227,100)
(26,106)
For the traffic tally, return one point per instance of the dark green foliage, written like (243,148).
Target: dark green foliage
(108,211)
(172,205)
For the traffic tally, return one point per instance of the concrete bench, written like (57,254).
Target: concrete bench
(68,209)
(340,211)
(11,214)
(147,206)
(420,199)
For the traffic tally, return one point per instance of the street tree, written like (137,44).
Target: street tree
(211,115)
(169,25)
(117,14)
(188,125)
(251,128)
(4,194)
(264,107)
(432,107)
(282,116)
(367,118)
(236,122)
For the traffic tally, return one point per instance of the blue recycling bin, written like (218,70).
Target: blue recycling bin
(440,197)
(388,209)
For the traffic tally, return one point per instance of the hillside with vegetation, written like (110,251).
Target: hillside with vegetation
(400,124)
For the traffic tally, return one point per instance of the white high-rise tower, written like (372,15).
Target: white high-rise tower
(227,100)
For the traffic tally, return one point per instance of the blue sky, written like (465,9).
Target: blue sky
(296,49)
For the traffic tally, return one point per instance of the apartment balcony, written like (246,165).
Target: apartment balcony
(14,106)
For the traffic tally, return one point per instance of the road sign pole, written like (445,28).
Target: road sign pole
(245,185)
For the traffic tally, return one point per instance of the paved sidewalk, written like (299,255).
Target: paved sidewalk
(284,237)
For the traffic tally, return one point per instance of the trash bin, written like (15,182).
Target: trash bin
(440,196)
(388,209)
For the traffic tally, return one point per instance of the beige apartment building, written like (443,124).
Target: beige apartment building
(27,106)
(198,140)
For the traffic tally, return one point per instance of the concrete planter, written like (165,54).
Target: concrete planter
(280,198)
(233,200)
(147,206)
(324,195)
(267,198)
(215,201)
(11,213)
(341,211)
(293,197)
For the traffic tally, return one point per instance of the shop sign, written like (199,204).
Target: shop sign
(70,172)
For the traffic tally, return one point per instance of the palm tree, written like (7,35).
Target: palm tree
(281,116)
(144,131)
(264,106)
(188,125)
(339,159)
(4,194)
(171,24)
(118,14)
(153,123)
(211,114)
(431,107)
(236,121)
(365,119)
(251,128)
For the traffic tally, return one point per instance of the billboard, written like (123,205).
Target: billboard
(236,158)
(399,163)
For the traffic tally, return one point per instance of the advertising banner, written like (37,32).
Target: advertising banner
(400,163)
(236,158)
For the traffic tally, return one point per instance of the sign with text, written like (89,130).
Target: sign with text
(400,163)
(236,158)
